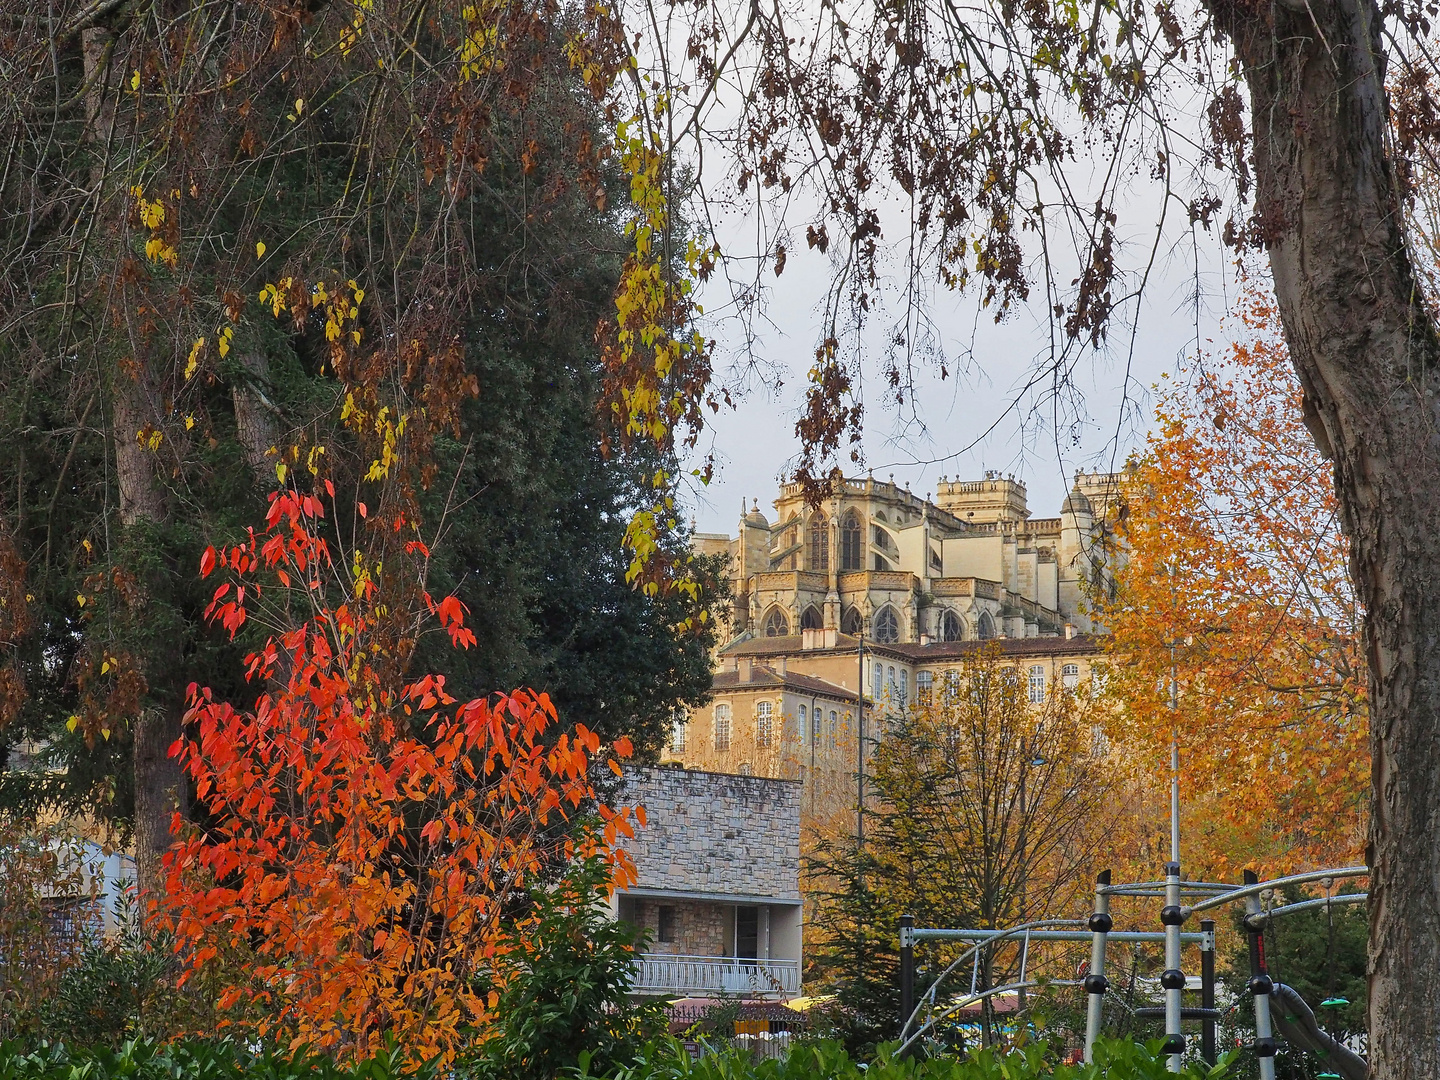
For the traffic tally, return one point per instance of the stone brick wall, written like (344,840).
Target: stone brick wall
(716,833)
(700,927)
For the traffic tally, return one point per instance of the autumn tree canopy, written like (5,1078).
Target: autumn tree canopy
(1234,583)
(370,244)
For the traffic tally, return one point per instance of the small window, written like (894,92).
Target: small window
(677,733)
(815,720)
(1097,680)
(802,716)
(811,619)
(852,622)
(904,687)
(924,684)
(985,628)
(952,683)
(951,628)
(834,727)
(877,682)
(887,626)
(1037,685)
(668,923)
(765,724)
(722,727)
(746,769)
(1070,676)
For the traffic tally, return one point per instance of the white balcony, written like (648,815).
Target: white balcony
(713,976)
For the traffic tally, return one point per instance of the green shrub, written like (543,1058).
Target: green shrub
(828,1060)
(191,1059)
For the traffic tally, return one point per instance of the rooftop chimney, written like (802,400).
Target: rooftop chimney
(746,668)
(1069,631)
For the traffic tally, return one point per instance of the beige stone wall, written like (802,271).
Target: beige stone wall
(701,928)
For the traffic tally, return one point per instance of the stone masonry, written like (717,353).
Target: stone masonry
(716,833)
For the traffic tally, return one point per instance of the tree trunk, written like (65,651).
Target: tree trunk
(255,424)
(1366,352)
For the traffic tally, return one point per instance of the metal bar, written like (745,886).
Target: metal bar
(1207,990)
(1262,920)
(955,1006)
(1254,888)
(1260,984)
(1095,982)
(1190,937)
(1172,979)
(1157,888)
(907,968)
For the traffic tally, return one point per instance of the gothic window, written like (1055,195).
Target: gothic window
(851,555)
(765,724)
(1037,685)
(776,624)
(819,543)
(1070,676)
(852,622)
(887,626)
(985,629)
(722,727)
(924,685)
(811,619)
(951,628)
(880,563)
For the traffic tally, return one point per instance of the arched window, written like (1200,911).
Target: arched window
(985,629)
(904,687)
(776,624)
(811,619)
(834,726)
(815,726)
(951,628)
(852,622)
(819,543)
(677,731)
(765,724)
(877,682)
(887,626)
(924,684)
(852,555)
(1070,676)
(803,718)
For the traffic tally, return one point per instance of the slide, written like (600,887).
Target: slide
(1294,1020)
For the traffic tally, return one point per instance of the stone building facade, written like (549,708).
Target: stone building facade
(717,883)
(969,563)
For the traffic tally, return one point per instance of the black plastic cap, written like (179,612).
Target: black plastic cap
(1173,1044)
(1259,985)
(1096,984)
(1172,868)
(1102,878)
(1264,1047)
(1100,923)
(1171,915)
(1172,979)
(1252,878)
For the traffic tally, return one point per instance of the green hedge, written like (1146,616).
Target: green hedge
(664,1060)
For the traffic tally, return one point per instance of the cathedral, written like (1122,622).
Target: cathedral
(877,561)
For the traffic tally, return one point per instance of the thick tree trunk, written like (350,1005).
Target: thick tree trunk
(1367,355)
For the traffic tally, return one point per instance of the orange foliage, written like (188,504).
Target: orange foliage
(1237,576)
(367,838)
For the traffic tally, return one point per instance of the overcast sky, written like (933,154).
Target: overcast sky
(754,444)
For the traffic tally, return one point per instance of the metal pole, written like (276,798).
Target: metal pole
(907,969)
(1259,986)
(1172,979)
(860,753)
(1095,982)
(1174,787)
(1207,989)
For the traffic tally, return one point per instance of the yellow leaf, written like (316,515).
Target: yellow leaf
(135,80)
(259,249)
(80,599)
(105,668)
(299,106)
(71,723)
(189,422)
(280,471)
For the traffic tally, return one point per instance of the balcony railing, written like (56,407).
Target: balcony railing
(703,976)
